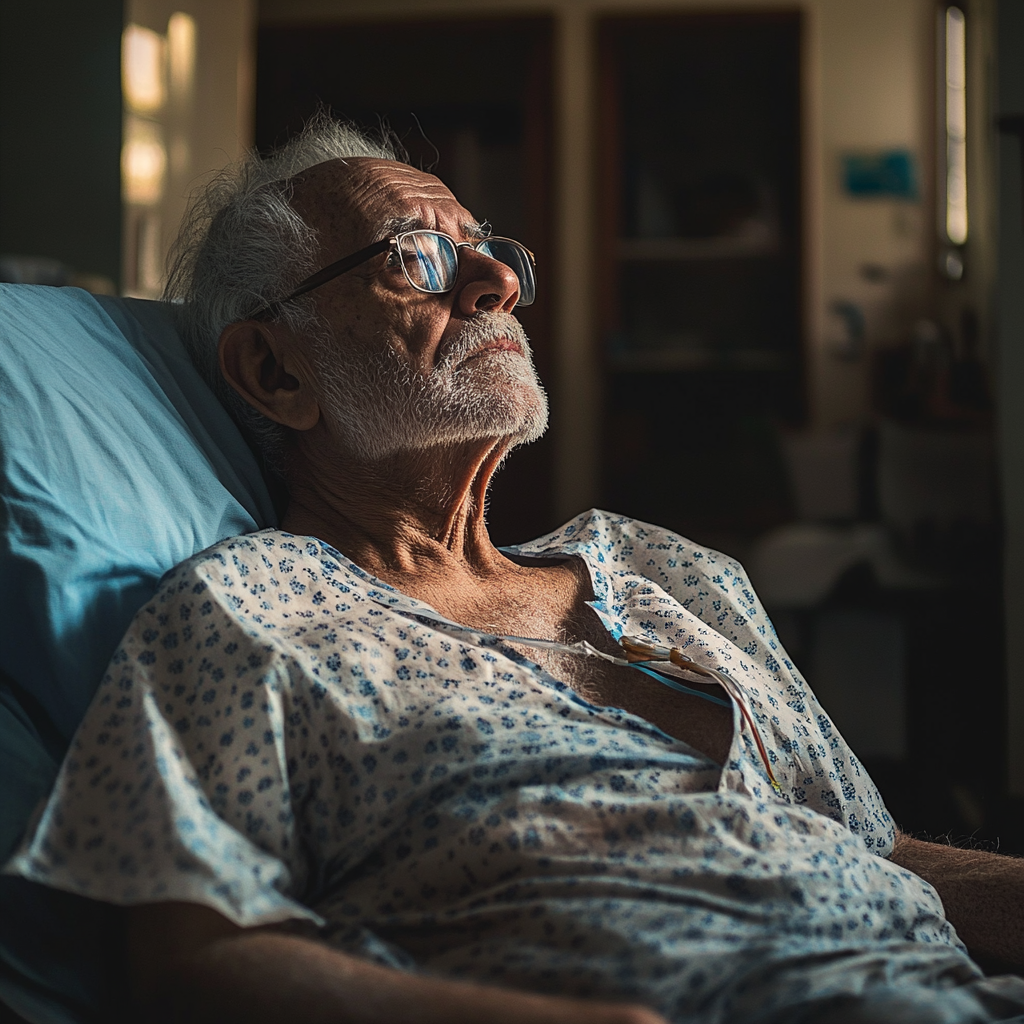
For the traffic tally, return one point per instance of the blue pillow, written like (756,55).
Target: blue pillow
(116,463)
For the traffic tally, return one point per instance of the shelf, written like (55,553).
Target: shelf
(653,360)
(728,247)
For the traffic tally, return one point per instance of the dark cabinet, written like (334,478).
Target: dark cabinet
(700,265)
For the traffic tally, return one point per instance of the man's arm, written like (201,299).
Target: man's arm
(983,894)
(188,963)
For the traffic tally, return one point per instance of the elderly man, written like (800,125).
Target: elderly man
(370,768)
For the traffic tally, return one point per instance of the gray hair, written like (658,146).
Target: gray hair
(241,245)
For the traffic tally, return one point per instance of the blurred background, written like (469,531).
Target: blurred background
(781,308)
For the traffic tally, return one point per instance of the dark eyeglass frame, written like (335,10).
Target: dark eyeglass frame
(356,259)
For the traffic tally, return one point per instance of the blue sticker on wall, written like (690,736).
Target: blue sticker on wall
(890,174)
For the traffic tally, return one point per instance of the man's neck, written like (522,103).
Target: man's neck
(413,520)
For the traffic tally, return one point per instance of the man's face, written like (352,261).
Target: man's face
(405,369)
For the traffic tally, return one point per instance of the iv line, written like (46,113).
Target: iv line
(641,653)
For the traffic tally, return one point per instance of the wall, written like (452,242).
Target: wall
(873,87)
(60,132)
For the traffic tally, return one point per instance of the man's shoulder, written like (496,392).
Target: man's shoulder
(615,539)
(271,577)
(254,589)
(268,549)
(253,564)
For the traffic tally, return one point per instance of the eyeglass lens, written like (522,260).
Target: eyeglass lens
(516,257)
(431,261)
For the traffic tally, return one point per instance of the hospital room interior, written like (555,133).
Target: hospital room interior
(780,252)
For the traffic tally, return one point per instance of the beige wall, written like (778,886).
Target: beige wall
(873,85)
(203,129)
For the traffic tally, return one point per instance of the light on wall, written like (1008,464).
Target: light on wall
(143,162)
(142,69)
(181,53)
(956,126)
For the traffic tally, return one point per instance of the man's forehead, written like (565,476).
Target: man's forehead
(363,196)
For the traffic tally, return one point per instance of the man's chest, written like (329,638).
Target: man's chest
(705,726)
(553,605)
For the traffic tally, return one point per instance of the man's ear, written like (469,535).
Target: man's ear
(267,371)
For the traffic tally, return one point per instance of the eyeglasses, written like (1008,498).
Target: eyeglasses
(430,261)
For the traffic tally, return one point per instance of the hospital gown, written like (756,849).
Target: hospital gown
(282,737)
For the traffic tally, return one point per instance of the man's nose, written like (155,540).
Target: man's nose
(485,285)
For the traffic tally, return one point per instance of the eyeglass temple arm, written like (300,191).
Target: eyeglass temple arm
(329,273)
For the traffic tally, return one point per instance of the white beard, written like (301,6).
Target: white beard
(379,406)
